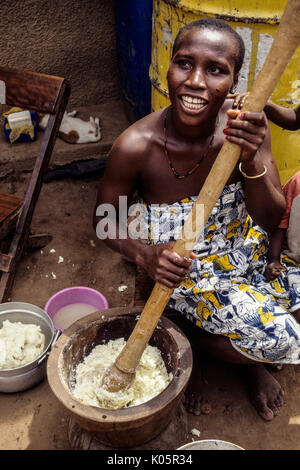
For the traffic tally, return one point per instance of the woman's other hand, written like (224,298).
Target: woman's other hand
(164,265)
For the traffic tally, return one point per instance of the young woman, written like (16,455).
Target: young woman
(166,157)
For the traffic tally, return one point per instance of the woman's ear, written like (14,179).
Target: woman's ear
(234,84)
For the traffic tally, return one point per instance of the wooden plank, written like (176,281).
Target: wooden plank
(9,224)
(9,206)
(5,262)
(10,209)
(31,90)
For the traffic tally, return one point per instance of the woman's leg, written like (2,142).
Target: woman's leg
(296,315)
(260,328)
(265,393)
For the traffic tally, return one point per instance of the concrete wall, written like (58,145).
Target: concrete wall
(74,39)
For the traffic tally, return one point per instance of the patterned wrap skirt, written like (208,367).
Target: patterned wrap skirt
(226,292)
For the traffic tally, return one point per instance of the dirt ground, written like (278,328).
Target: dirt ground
(35,419)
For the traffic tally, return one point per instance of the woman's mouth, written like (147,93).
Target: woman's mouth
(193,103)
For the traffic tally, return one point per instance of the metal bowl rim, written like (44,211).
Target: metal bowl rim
(25,307)
(188,444)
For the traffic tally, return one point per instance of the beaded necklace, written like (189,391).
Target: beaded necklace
(188,173)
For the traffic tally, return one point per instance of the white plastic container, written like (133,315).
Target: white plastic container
(19,119)
(210,444)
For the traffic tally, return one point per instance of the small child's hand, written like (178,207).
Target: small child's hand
(273,269)
(239,99)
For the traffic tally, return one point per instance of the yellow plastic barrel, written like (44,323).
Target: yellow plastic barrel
(256,21)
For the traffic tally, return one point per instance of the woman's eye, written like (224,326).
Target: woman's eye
(184,64)
(214,69)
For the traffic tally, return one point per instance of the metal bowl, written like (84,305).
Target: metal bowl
(210,444)
(28,375)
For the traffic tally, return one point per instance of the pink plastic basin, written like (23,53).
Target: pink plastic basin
(71,295)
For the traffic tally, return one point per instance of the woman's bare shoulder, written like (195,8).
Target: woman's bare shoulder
(137,137)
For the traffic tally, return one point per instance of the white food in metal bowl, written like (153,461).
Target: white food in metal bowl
(20,344)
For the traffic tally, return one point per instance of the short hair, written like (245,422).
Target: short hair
(215,24)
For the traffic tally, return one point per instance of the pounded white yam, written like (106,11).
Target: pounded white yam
(195,432)
(151,377)
(20,344)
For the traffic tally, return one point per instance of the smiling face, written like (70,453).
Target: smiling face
(201,73)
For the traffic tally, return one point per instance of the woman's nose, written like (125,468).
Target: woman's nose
(196,79)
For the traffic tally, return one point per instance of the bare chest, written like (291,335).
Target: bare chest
(167,180)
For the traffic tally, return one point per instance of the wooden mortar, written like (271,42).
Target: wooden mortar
(126,427)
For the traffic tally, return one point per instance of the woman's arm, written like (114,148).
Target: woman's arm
(115,193)
(265,200)
(264,197)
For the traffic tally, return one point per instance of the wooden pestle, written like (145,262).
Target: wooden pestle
(120,375)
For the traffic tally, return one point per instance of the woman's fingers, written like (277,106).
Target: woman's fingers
(172,268)
(249,142)
(251,126)
(166,266)
(258,118)
(175,264)
(248,131)
(233,113)
(178,260)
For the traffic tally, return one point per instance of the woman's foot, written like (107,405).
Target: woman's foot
(266,394)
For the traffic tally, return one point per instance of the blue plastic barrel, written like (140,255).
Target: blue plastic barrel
(133,20)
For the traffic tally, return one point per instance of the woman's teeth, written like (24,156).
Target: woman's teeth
(193,103)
